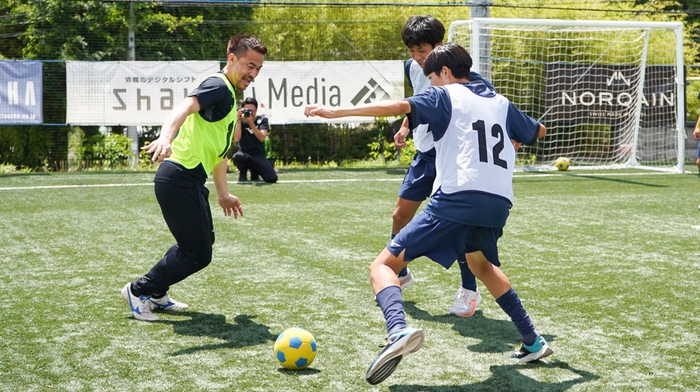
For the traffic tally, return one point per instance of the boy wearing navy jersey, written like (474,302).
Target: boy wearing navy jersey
(422,34)
(472,127)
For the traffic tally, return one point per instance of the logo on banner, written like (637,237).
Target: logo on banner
(370,92)
(618,76)
(21,93)
(605,93)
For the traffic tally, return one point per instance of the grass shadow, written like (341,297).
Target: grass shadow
(620,180)
(509,378)
(241,333)
(495,336)
(304,372)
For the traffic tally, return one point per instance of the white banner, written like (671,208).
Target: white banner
(144,92)
(284,88)
(130,92)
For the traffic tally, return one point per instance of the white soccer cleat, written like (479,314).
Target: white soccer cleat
(167,303)
(465,303)
(140,306)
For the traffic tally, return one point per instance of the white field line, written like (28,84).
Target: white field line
(24,188)
(516,175)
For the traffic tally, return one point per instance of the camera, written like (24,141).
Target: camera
(246,112)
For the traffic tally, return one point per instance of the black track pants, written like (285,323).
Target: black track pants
(188,216)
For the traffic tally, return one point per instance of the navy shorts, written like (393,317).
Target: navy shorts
(697,154)
(444,241)
(418,183)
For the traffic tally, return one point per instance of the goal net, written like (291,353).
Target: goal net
(609,93)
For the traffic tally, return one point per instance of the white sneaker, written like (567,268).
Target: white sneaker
(466,302)
(140,306)
(406,280)
(167,303)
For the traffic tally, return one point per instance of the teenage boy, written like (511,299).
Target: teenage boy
(471,126)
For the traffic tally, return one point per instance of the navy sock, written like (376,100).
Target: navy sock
(510,303)
(468,278)
(391,303)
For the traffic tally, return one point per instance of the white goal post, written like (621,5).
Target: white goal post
(611,94)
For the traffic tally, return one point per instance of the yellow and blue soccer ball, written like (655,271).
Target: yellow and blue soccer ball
(295,349)
(562,164)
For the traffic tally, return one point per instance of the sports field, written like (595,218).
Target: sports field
(606,263)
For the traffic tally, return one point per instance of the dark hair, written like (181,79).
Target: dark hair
(250,101)
(422,29)
(241,44)
(449,55)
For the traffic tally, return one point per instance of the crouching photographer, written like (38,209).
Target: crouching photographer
(250,133)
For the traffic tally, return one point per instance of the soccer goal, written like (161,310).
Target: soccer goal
(611,94)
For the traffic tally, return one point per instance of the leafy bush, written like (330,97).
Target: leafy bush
(114,150)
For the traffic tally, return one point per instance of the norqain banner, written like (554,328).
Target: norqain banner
(606,93)
(21,93)
(143,93)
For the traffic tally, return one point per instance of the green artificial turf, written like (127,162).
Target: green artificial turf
(606,264)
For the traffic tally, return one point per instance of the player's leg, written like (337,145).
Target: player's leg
(163,301)
(417,186)
(260,165)
(425,235)
(403,213)
(533,346)
(402,340)
(467,297)
(240,160)
(188,216)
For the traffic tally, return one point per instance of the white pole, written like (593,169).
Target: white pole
(481,10)
(640,94)
(132,131)
(680,100)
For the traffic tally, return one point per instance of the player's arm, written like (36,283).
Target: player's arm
(161,148)
(401,134)
(228,202)
(696,132)
(522,128)
(374,109)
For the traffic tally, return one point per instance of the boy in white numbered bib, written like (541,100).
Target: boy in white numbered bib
(472,127)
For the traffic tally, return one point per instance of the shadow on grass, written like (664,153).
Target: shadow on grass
(594,177)
(573,176)
(509,378)
(255,183)
(243,332)
(496,336)
(297,373)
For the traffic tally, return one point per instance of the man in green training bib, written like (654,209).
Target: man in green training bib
(193,143)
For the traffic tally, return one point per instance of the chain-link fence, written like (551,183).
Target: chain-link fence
(54,31)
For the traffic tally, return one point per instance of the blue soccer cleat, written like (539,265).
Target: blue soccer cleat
(399,344)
